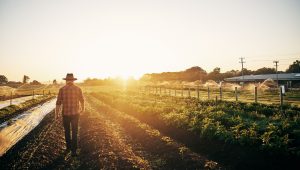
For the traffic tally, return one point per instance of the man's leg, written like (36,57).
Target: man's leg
(66,123)
(74,124)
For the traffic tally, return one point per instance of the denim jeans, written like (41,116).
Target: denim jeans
(71,121)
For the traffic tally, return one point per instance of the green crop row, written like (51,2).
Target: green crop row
(267,127)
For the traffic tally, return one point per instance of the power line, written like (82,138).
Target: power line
(286,59)
(280,57)
(283,61)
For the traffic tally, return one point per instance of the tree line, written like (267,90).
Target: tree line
(197,73)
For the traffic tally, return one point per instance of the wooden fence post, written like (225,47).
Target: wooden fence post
(182,91)
(236,94)
(221,93)
(33,94)
(281,95)
(255,94)
(208,93)
(175,92)
(198,96)
(189,92)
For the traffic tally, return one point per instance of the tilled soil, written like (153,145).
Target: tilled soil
(108,139)
(160,151)
(40,148)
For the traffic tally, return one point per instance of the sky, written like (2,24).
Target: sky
(45,39)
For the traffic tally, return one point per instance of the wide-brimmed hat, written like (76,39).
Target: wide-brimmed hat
(70,77)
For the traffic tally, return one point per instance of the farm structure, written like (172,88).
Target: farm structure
(288,79)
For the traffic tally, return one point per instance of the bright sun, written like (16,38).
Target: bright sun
(127,75)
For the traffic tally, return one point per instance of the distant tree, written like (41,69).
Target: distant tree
(197,73)
(247,72)
(294,68)
(215,74)
(265,70)
(25,79)
(54,82)
(193,74)
(217,70)
(195,69)
(3,79)
(14,82)
(35,82)
(146,77)
(231,73)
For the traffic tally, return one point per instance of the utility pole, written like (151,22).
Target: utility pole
(276,65)
(242,62)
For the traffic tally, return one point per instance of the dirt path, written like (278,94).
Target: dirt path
(108,139)
(41,148)
(106,145)
(157,150)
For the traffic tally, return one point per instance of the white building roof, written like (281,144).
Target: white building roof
(262,77)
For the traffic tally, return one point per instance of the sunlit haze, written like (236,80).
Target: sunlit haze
(47,39)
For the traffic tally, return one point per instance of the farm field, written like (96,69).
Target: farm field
(125,129)
(108,139)
(150,85)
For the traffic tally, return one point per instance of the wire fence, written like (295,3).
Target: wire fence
(19,96)
(270,96)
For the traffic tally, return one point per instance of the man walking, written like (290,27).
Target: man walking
(71,98)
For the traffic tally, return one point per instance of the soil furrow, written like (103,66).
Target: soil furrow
(162,151)
(38,149)
(108,139)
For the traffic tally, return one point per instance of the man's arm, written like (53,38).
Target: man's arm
(57,111)
(81,100)
(58,104)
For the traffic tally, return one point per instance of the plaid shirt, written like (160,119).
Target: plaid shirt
(69,97)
